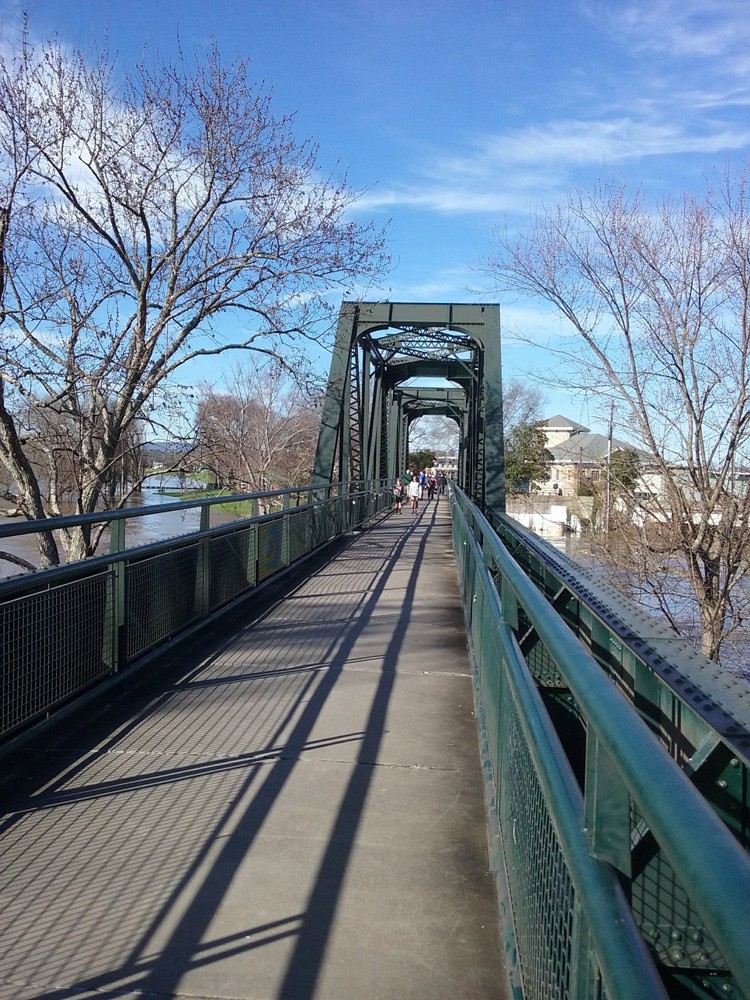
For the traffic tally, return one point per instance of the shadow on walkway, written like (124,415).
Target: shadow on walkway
(298,814)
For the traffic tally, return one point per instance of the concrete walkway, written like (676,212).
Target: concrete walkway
(292,811)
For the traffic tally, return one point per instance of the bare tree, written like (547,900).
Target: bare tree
(658,305)
(260,434)
(434,433)
(522,404)
(135,220)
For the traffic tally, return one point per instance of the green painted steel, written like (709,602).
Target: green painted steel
(66,629)
(368,408)
(699,711)
(621,875)
(618,761)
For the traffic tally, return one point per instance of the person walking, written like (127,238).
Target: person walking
(414,491)
(399,492)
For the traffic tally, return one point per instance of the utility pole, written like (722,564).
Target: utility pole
(608,504)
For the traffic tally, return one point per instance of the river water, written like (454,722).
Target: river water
(139,531)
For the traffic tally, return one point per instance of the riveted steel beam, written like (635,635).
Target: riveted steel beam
(368,408)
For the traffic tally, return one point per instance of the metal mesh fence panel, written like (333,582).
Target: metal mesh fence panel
(359,508)
(270,547)
(232,566)
(540,888)
(162,597)
(319,528)
(334,518)
(300,534)
(54,646)
(667,915)
(543,667)
(58,641)
(489,679)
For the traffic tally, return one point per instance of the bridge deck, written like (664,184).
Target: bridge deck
(294,812)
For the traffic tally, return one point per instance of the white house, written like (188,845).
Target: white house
(578,455)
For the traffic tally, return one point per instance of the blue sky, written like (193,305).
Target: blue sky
(454,115)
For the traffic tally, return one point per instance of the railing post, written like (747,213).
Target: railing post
(115,655)
(286,546)
(606,808)
(203,581)
(251,561)
(205,517)
(203,569)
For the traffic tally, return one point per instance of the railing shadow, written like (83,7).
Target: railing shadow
(187,850)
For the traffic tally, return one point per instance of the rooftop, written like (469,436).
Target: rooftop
(587,447)
(560,423)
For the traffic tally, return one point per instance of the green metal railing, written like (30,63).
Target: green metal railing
(66,629)
(617,767)
(618,877)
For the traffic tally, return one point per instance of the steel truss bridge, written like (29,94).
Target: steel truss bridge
(395,362)
(615,758)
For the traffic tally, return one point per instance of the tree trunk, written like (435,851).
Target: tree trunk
(713,608)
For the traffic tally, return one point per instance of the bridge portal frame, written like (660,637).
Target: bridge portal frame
(367,410)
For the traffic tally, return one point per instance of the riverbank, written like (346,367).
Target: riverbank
(237,508)
(551,517)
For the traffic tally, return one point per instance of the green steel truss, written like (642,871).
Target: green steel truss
(369,407)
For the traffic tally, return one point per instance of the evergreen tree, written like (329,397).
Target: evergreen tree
(527,461)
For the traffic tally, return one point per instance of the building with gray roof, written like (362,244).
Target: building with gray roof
(578,455)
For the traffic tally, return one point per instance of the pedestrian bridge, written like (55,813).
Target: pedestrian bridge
(336,752)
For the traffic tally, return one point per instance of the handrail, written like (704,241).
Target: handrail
(709,861)
(134,601)
(628,970)
(24,527)
(53,574)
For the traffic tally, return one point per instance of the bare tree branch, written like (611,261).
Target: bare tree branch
(144,226)
(658,305)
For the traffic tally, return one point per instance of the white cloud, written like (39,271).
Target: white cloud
(678,41)
(692,28)
(681,92)
(591,144)
(504,173)
(445,285)
(456,196)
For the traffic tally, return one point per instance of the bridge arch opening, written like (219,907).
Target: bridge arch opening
(395,362)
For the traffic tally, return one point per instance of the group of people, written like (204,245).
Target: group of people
(417,486)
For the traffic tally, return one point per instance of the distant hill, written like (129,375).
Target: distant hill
(159,452)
